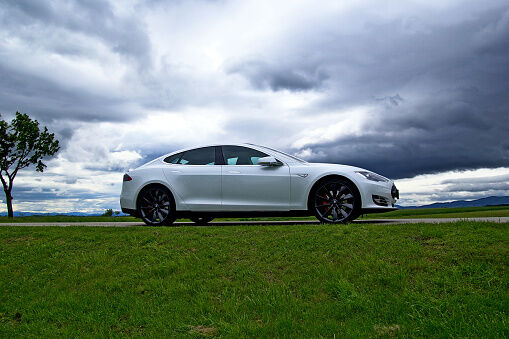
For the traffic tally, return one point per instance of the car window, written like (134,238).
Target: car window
(173,159)
(199,156)
(239,155)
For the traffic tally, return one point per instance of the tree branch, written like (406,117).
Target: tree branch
(18,167)
(6,188)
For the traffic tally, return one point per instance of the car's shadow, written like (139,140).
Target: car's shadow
(276,222)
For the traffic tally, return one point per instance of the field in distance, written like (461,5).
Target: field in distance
(453,212)
(460,212)
(357,280)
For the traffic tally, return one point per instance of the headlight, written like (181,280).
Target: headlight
(372,176)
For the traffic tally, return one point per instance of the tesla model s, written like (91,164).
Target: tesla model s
(236,180)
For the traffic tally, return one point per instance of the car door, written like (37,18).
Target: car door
(247,186)
(196,177)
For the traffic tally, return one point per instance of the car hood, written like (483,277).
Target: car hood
(342,168)
(336,166)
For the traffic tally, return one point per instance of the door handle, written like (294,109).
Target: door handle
(234,172)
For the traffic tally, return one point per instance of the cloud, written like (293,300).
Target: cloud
(262,76)
(435,95)
(477,187)
(453,185)
(477,184)
(479,180)
(91,17)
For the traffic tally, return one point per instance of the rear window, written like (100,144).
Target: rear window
(173,159)
(199,156)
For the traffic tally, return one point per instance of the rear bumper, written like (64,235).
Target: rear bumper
(132,212)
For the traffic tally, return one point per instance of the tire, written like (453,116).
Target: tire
(155,206)
(201,220)
(335,201)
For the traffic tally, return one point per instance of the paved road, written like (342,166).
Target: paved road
(253,223)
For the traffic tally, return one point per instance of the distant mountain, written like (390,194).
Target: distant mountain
(488,201)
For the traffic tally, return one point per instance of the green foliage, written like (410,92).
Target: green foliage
(308,281)
(107,213)
(22,144)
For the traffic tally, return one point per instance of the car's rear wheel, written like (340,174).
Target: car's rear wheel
(155,206)
(335,201)
(201,220)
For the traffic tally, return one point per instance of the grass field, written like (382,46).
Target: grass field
(459,212)
(435,280)
(65,218)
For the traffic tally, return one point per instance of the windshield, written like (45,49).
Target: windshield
(285,154)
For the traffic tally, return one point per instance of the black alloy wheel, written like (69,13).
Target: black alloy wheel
(201,220)
(335,201)
(155,206)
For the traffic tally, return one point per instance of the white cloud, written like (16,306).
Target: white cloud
(430,188)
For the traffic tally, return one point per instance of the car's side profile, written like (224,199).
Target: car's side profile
(250,180)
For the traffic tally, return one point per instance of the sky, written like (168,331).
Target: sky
(417,91)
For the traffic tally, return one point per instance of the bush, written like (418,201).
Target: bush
(108,213)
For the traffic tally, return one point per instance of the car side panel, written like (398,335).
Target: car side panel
(199,186)
(305,176)
(141,178)
(255,188)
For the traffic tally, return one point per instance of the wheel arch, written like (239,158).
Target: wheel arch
(327,177)
(154,184)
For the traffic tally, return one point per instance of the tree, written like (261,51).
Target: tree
(107,213)
(22,143)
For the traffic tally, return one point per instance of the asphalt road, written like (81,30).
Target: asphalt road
(254,223)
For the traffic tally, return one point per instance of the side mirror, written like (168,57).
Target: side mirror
(269,161)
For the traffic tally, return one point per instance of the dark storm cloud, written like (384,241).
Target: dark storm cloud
(438,93)
(262,75)
(459,132)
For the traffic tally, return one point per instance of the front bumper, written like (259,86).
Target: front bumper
(378,196)
(394,192)
(383,203)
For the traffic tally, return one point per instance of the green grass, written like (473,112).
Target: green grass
(460,212)
(66,218)
(410,280)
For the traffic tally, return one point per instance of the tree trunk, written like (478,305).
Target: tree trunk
(8,200)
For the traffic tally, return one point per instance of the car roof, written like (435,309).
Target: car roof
(268,150)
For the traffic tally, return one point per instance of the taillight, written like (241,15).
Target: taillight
(127,177)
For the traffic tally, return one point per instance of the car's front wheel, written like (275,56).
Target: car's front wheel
(335,201)
(155,206)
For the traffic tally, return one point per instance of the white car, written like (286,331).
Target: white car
(249,180)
